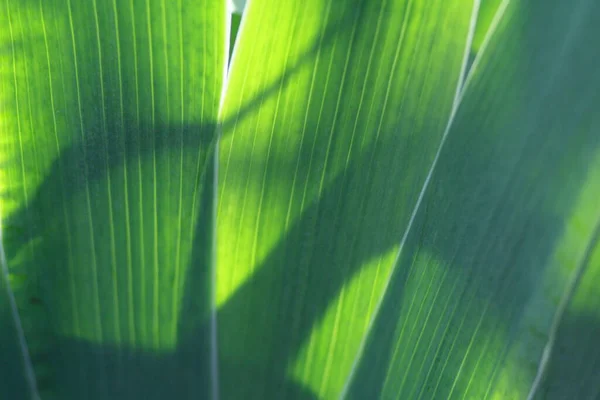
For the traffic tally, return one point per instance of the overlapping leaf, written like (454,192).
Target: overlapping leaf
(366,246)
(508,220)
(317,182)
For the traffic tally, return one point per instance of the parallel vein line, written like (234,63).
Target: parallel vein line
(413,60)
(302,134)
(254,136)
(411,271)
(166,133)
(130,303)
(420,197)
(351,144)
(504,284)
(155,263)
(111,220)
(198,184)
(34,143)
(275,114)
(247,184)
(266,158)
(309,102)
(310,355)
(422,331)
(87,188)
(67,226)
(177,266)
(561,310)
(412,266)
(333,341)
(473,276)
(62,48)
(142,266)
(29,371)
(455,286)
(357,61)
(424,328)
(327,14)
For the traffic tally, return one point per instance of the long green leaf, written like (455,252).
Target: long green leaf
(507,224)
(109,112)
(331,121)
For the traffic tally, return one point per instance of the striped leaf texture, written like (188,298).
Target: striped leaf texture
(324,199)
(109,112)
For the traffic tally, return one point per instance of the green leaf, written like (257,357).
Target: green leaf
(109,114)
(387,227)
(485,24)
(507,222)
(331,122)
(570,366)
(235,22)
(485,17)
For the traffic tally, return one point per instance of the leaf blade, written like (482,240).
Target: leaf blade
(107,164)
(329,106)
(493,219)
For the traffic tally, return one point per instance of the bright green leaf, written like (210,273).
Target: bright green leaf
(109,112)
(331,122)
(387,228)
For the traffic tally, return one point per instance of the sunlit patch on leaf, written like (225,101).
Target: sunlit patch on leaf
(329,343)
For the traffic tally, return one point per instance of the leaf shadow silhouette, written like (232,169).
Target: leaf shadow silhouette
(498,235)
(309,266)
(492,215)
(307,269)
(76,367)
(91,366)
(117,371)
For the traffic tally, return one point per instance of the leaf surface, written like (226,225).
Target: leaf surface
(331,122)
(507,221)
(109,112)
